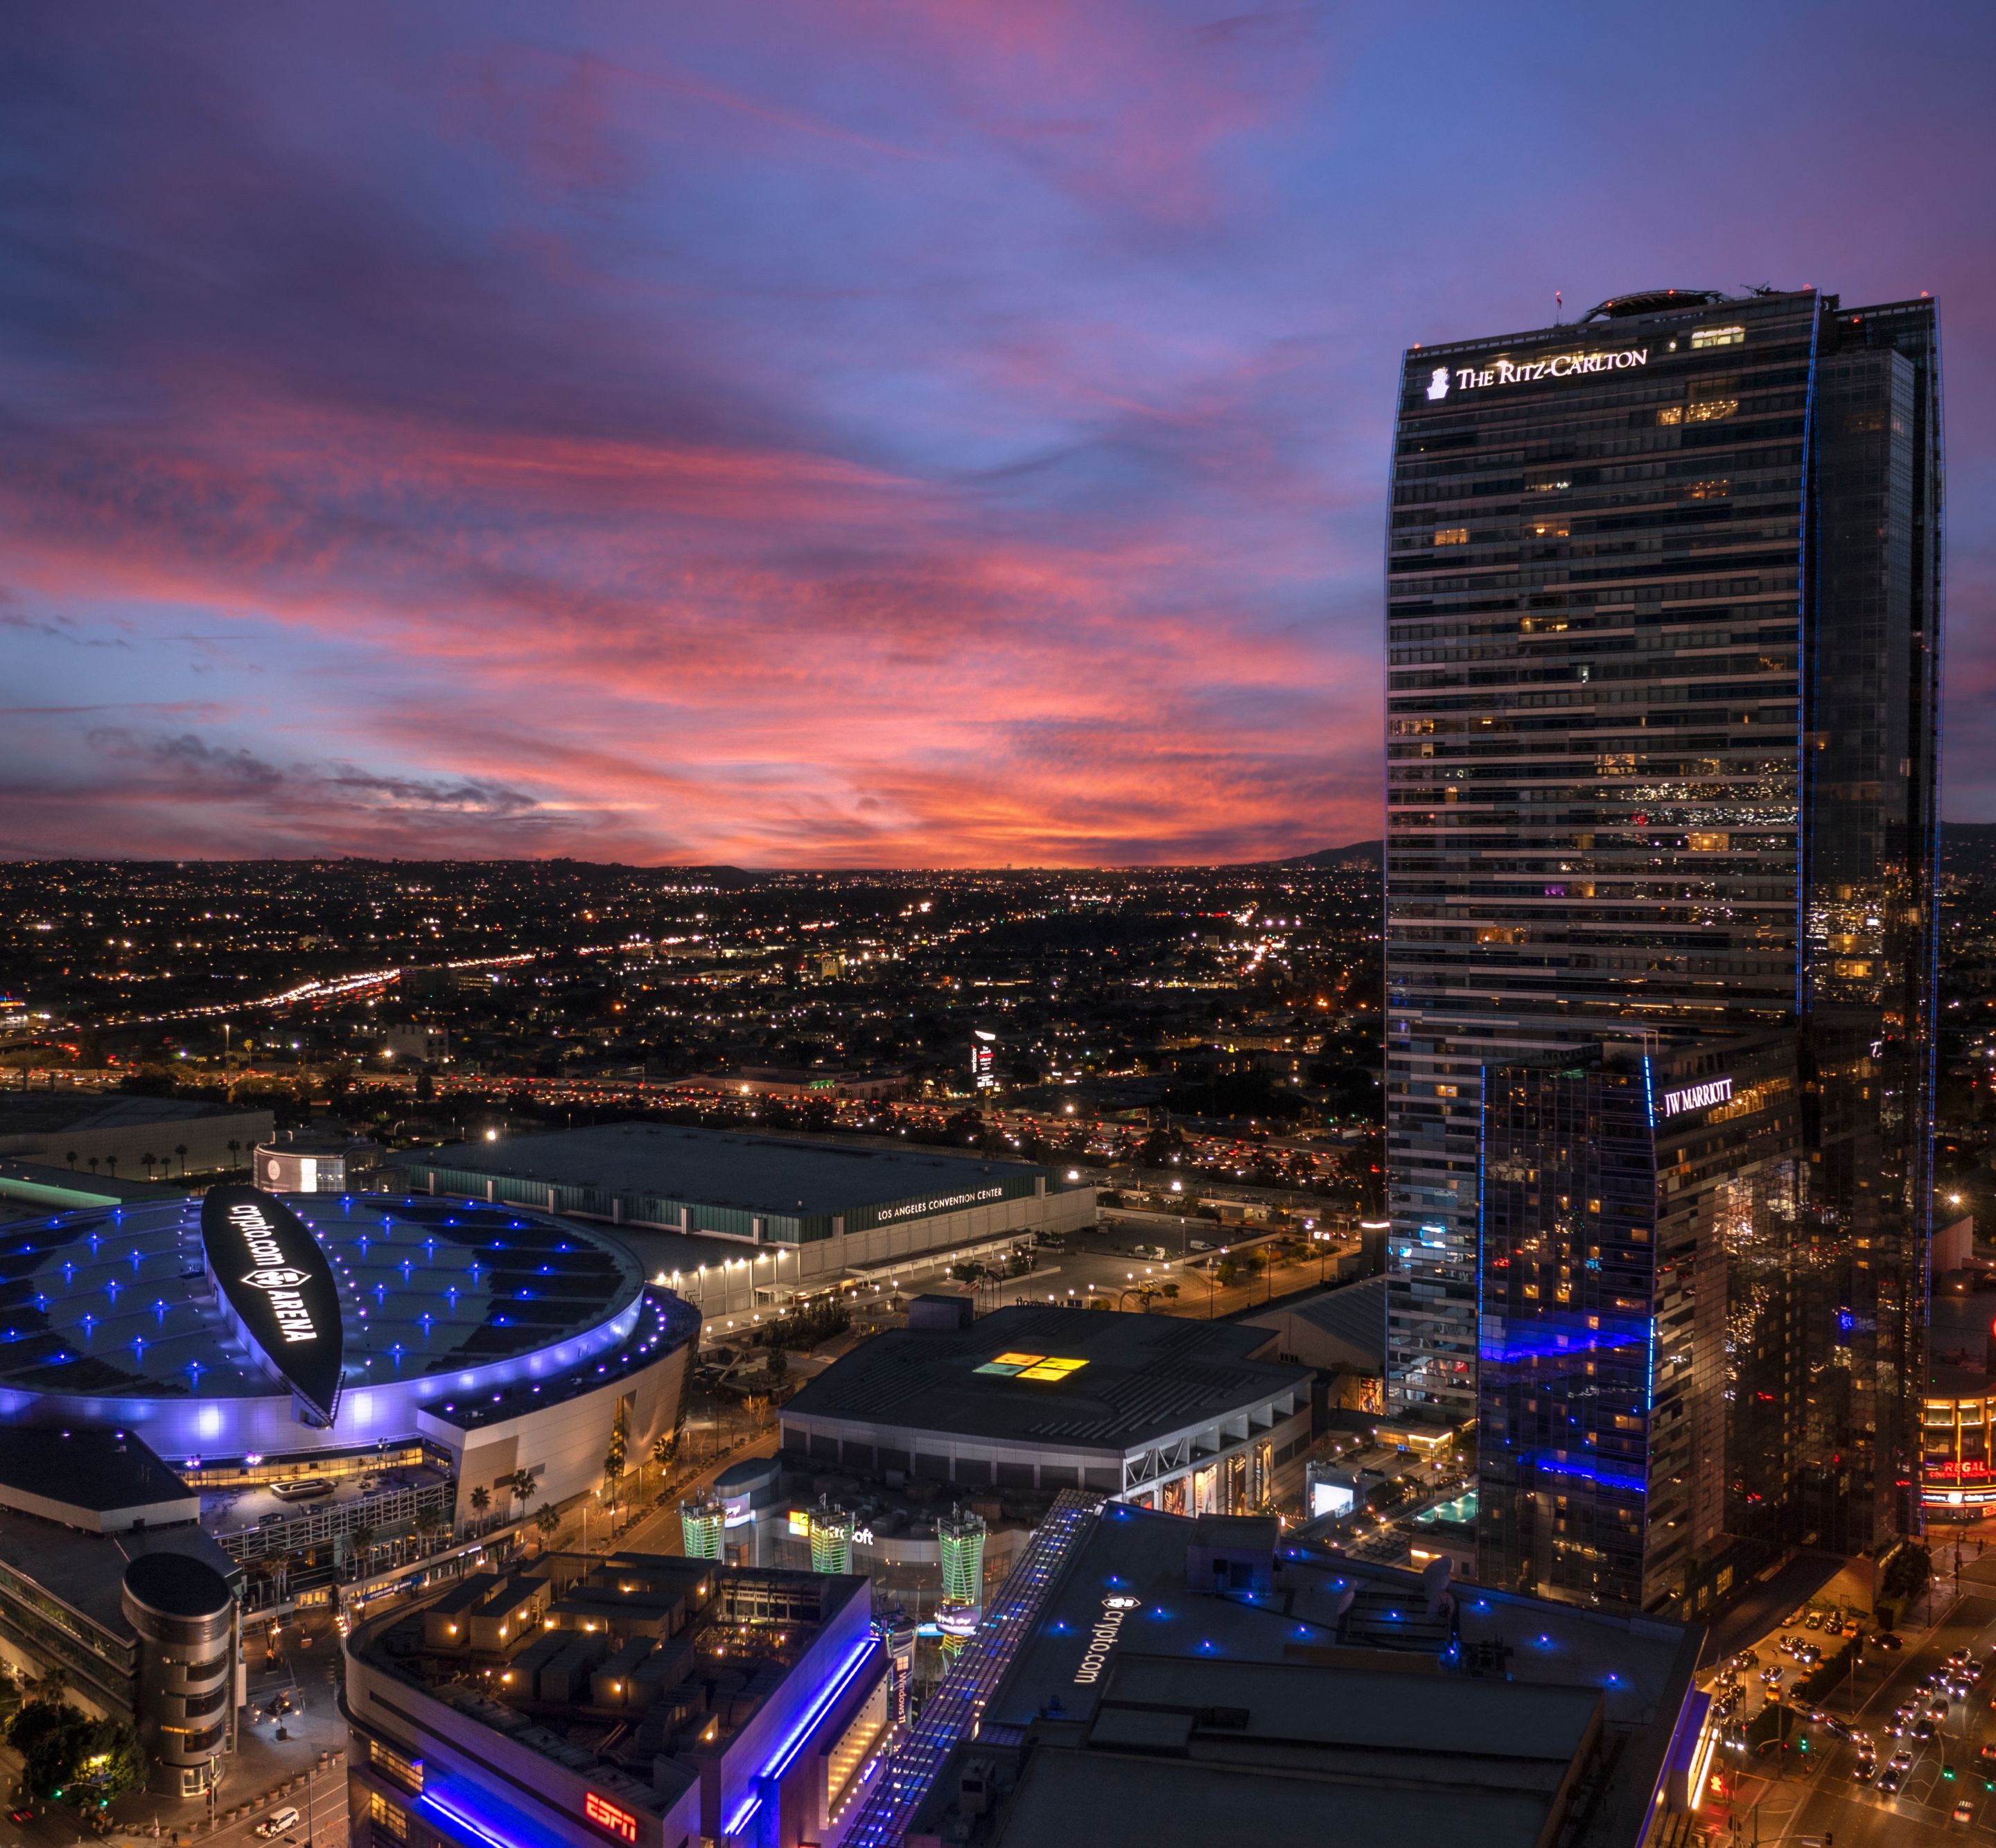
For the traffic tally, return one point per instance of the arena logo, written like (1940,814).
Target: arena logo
(1101,1638)
(280,1281)
(266,1263)
(1506,372)
(1698,1097)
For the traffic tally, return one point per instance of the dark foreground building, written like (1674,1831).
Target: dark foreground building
(1663,614)
(1143,1677)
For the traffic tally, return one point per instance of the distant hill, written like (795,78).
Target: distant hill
(1359,853)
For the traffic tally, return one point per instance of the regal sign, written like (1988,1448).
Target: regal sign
(280,1291)
(1523,372)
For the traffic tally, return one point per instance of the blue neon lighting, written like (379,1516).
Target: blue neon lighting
(1606,1478)
(786,1754)
(464,1822)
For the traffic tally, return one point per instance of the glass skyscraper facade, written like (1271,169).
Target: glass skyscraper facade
(1663,616)
(1642,1223)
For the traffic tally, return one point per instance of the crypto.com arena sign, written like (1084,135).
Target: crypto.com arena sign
(281,1294)
(1523,372)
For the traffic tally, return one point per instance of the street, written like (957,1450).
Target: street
(1826,1803)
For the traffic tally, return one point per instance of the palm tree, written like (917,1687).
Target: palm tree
(548,1521)
(72,1157)
(93,1164)
(180,1149)
(149,1160)
(522,1481)
(234,1149)
(481,1499)
(361,1538)
(110,1166)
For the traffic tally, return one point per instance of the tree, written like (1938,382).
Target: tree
(180,1149)
(72,1157)
(234,1149)
(93,1164)
(548,1521)
(53,1739)
(361,1538)
(481,1499)
(110,1166)
(148,1161)
(51,1684)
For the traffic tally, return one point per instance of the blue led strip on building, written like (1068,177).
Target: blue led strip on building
(786,1754)
(464,1822)
(952,1712)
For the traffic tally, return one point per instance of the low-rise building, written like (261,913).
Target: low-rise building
(737,1224)
(1161,1410)
(653,1701)
(106,1576)
(119,1133)
(1158,1680)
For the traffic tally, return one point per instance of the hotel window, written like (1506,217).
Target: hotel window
(1671,413)
(1717,336)
(391,1817)
(403,1770)
(1451,536)
(1712,410)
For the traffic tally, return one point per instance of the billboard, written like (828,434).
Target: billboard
(280,1290)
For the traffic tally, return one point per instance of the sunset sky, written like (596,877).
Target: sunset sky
(841,434)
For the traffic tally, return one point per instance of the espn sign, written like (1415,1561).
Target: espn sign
(606,1816)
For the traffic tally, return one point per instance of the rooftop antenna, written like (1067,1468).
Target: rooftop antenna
(1559,307)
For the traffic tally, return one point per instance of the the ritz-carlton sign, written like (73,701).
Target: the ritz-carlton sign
(1522,372)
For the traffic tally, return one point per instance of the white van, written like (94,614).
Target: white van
(277,1821)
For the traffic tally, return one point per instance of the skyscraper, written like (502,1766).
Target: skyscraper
(1664,619)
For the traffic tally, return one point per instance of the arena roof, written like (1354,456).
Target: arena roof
(761,1174)
(1051,1375)
(112,1303)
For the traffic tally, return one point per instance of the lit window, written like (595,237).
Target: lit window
(1719,488)
(1708,843)
(1717,336)
(1451,536)
(390,1816)
(1712,410)
(405,1770)
(1671,413)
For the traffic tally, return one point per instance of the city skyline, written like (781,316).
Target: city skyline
(955,442)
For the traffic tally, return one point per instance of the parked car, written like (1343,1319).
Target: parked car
(277,1823)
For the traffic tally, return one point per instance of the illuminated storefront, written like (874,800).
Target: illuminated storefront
(1955,1469)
